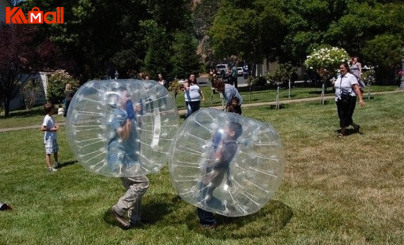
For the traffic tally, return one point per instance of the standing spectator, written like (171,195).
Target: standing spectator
(233,76)
(122,150)
(162,81)
(193,95)
(346,89)
(68,97)
(50,129)
(356,69)
(229,92)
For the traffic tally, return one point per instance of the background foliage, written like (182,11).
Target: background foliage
(57,83)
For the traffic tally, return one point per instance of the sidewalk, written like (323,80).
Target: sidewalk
(182,112)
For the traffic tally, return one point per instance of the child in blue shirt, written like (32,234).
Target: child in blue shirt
(224,148)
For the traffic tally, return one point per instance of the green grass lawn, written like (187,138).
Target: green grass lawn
(335,190)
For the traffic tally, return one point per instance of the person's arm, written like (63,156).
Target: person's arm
(201,93)
(45,128)
(359,94)
(125,130)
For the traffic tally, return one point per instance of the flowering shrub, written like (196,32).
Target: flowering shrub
(326,60)
(57,83)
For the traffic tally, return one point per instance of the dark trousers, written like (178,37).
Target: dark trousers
(346,108)
(233,81)
(192,107)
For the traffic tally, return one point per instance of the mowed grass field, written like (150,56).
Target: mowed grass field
(335,190)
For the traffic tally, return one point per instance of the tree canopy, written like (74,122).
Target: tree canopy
(144,35)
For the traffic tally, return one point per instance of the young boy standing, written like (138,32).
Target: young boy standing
(50,129)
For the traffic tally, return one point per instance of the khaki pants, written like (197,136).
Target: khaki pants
(129,203)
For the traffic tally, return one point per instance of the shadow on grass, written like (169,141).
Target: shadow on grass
(157,210)
(65,164)
(349,131)
(169,210)
(269,220)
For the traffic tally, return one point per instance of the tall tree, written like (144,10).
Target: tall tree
(185,60)
(21,55)
(249,30)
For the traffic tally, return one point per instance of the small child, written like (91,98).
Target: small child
(234,106)
(61,110)
(224,149)
(50,128)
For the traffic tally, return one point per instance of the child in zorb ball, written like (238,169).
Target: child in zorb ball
(224,148)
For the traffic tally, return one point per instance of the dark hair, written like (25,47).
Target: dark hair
(219,86)
(237,128)
(345,64)
(48,107)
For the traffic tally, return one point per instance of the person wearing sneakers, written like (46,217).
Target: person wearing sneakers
(346,89)
(122,148)
(50,129)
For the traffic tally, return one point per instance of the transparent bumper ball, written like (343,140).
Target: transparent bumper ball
(122,128)
(226,163)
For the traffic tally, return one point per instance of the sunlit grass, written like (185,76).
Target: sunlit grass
(335,190)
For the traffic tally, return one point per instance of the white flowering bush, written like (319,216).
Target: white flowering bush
(326,60)
(57,84)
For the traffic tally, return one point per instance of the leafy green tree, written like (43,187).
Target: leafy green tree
(384,51)
(57,84)
(21,54)
(282,73)
(203,16)
(185,60)
(158,49)
(249,30)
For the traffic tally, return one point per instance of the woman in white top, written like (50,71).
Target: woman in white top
(346,90)
(193,95)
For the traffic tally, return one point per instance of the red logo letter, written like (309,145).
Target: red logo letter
(15,16)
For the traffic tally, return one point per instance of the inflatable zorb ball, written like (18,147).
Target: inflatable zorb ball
(106,140)
(225,163)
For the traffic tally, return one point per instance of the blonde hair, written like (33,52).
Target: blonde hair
(68,86)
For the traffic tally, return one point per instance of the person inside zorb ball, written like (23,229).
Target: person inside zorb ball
(225,163)
(122,128)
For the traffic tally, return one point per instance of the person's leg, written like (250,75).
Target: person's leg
(196,105)
(351,109)
(189,109)
(206,218)
(342,109)
(48,160)
(135,187)
(49,150)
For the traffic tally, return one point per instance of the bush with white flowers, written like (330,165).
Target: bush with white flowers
(326,60)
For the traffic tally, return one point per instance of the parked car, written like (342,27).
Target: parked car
(221,69)
(239,71)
